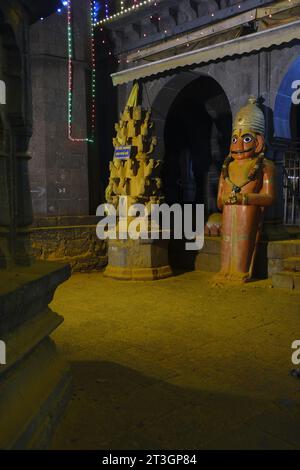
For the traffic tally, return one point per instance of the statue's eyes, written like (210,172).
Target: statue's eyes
(248,139)
(234,140)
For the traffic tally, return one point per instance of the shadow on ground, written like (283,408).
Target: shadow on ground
(115,407)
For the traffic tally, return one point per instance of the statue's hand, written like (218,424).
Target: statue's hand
(233,199)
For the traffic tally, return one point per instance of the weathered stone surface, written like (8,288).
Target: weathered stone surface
(34,374)
(274,266)
(59,168)
(138,274)
(77,245)
(283,249)
(65,221)
(138,259)
(34,382)
(292,264)
(284,280)
(209,258)
(296,277)
(283,256)
(19,301)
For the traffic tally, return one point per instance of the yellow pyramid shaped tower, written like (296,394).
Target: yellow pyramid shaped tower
(134,172)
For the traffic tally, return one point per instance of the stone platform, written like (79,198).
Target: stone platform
(285,263)
(209,258)
(71,240)
(34,382)
(142,260)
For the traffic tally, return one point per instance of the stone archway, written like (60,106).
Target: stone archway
(193,122)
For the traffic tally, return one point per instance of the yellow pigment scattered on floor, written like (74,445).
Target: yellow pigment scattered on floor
(177,363)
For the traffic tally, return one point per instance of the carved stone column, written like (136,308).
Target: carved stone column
(5,206)
(23,253)
(34,382)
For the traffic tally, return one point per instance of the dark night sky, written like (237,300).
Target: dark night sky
(41,8)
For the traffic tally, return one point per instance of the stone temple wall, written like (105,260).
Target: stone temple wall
(59,167)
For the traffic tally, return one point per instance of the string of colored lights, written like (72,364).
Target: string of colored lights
(106,9)
(89,139)
(125,10)
(94,11)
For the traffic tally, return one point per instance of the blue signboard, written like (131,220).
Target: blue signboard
(123,153)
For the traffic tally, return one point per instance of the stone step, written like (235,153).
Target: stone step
(286,279)
(284,249)
(292,264)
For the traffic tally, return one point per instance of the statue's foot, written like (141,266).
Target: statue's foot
(239,278)
(224,277)
(220,279)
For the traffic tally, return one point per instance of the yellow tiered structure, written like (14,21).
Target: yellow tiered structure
(136,174)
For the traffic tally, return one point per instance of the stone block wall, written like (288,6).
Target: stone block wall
(279,252)
(271,256)
(71,240)
(59,167)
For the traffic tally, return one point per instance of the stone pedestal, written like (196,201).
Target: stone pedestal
(142,260)
(34,382)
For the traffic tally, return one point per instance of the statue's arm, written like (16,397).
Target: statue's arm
(267,194)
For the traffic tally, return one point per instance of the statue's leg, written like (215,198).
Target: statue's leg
(226,245)
(260,221)
(245,236)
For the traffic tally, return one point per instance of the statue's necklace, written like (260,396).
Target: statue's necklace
(252,176)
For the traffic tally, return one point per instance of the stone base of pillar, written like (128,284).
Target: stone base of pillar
(23,255)
(34,382)
(141,260)
(6,260)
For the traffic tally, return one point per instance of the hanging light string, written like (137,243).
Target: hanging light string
(123,11)
(93,24)
(91,138)
(106,10)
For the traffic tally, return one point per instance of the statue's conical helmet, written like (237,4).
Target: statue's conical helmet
(250,118)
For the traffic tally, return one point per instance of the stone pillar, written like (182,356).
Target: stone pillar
(34,382)
(5,150)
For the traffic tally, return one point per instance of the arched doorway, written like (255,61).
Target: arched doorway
(295,123)
(197,137)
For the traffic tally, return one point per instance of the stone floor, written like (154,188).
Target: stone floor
(177,363)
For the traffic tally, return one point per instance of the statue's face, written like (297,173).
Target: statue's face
(246,144)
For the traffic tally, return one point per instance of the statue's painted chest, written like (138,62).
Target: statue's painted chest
(238,174)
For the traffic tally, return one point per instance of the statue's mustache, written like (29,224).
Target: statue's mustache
(242,151)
